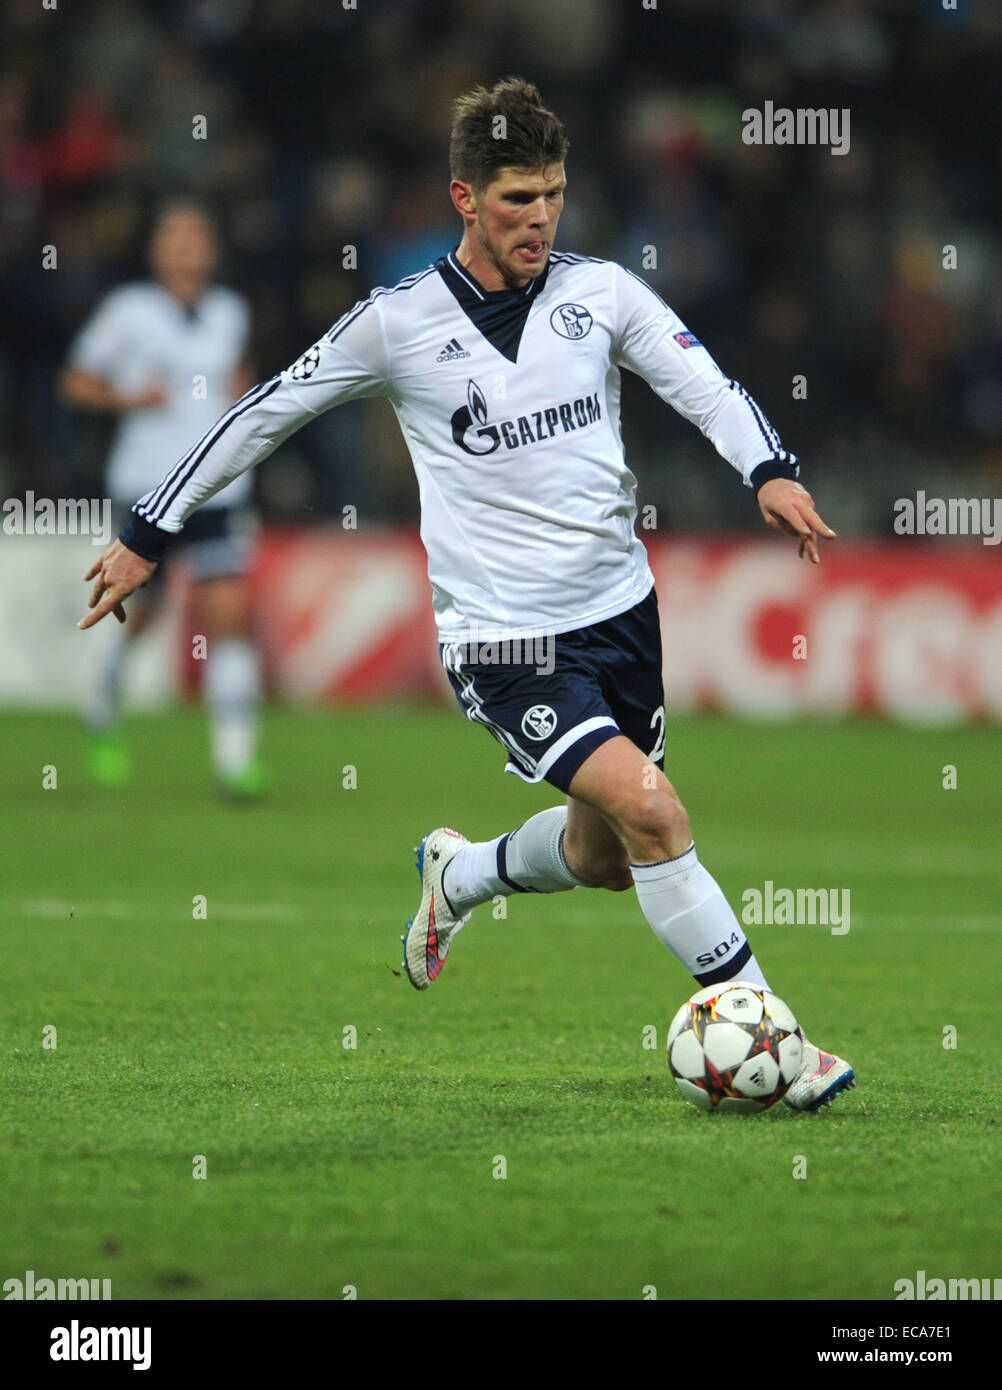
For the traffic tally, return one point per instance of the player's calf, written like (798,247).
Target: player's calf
(682,902)
(593,851)
(613,875)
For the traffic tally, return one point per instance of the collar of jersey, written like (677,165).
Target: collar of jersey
(189,312)
(498,315)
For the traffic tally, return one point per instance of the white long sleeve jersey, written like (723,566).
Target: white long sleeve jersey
(509,403)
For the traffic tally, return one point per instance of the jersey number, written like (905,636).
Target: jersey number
(658,718)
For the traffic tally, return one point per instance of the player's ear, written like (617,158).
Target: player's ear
(464,199)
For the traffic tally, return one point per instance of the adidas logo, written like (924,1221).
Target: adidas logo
(452,352)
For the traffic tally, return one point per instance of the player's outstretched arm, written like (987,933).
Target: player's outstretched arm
(788,506)
(118,573)
(347,363)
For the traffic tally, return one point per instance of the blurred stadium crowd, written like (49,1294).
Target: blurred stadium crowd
(328,127)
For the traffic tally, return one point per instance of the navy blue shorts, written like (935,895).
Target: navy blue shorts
(550,702)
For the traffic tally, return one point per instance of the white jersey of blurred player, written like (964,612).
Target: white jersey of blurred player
(140,338)
(165,356)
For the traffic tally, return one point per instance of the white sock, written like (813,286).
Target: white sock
(233,694)
(691,916)
(104,699)
(527,860)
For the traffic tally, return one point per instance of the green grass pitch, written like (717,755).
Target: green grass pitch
(374,1168)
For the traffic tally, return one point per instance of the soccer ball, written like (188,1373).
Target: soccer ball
(736,1047)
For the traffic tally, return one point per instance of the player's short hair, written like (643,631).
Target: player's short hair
(528,137)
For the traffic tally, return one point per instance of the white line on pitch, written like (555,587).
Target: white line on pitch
(59,908)
(952,863)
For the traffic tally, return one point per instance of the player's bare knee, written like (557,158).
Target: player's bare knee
(659,812)
(657,825)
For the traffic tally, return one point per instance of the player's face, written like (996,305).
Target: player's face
(183,247)
(516,220)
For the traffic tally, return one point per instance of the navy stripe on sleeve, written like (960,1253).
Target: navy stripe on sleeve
(157,510)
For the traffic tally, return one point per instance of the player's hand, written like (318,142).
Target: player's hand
(790,507)
(119,573)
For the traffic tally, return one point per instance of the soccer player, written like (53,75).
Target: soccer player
(502,363)
(165,357)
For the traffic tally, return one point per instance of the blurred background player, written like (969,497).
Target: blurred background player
(166,356)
